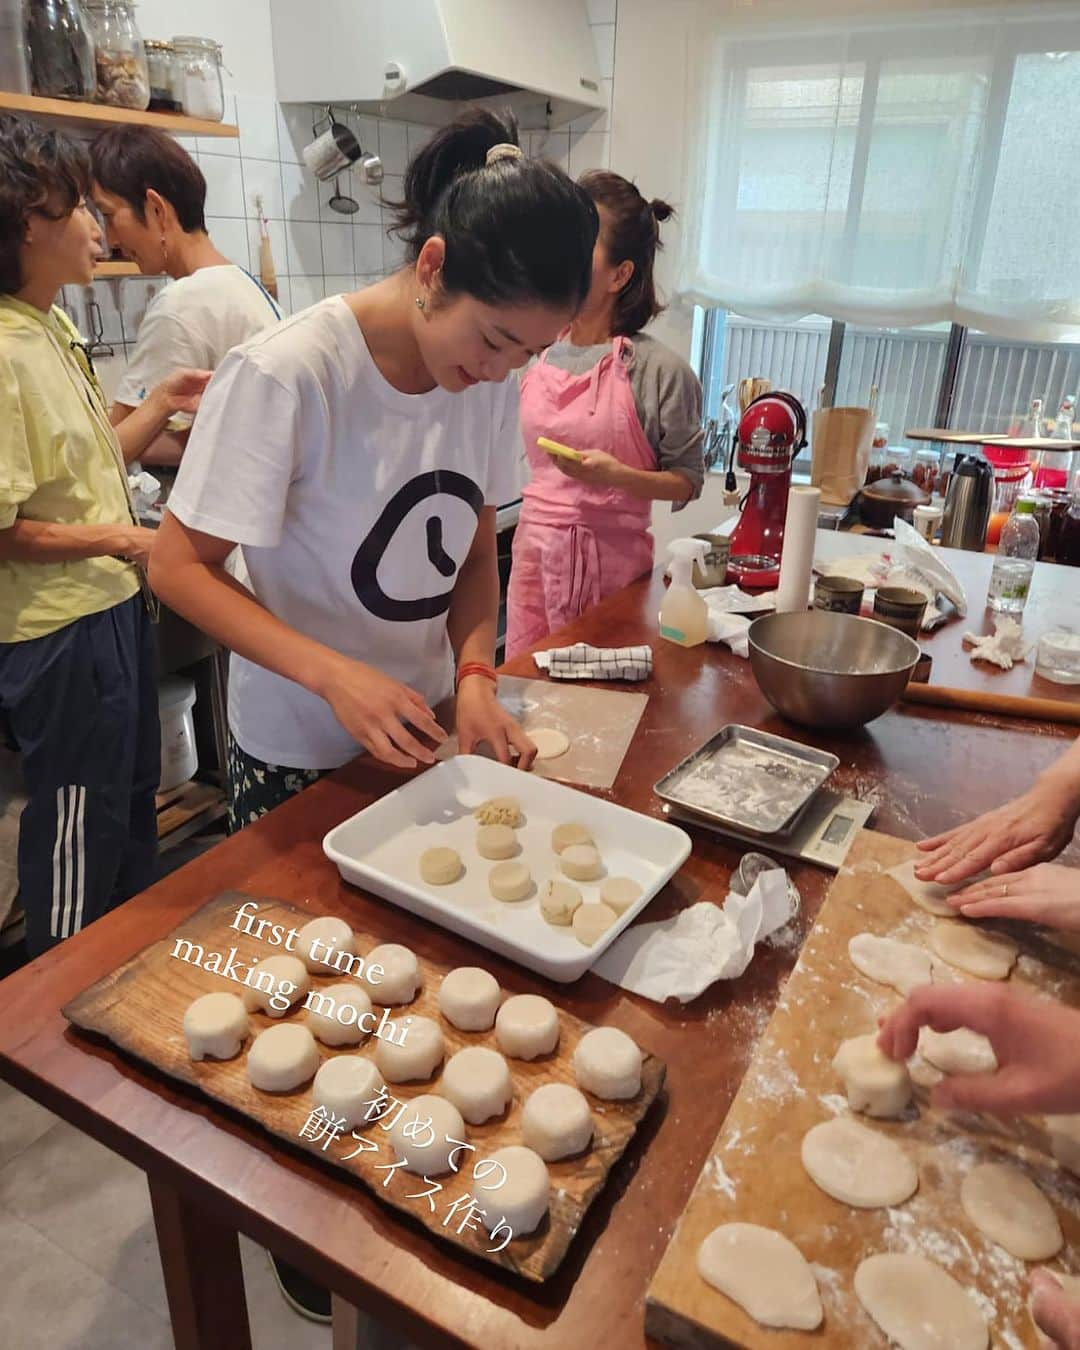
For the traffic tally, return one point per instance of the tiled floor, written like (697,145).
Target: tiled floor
(79,1266)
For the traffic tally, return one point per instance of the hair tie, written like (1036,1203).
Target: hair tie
(504,150)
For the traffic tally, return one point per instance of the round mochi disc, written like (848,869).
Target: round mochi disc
(607,1063)
(418,1058)
(216,1026)
(764,1273)
(282,1057)
(986,955)
(346,1086)
(527,1026)
(469,998)
(275,976)
(496,841)
(510,881)
(961,1051)
(500,811)
(564,836)
(328,932)
(522,1200)
(556,1121)
(441,866)
(875,1084)
(550,743)
(858,1166)
(900,965)
(591,922)
(918,1305)
(558,903)
(619,893)
(336,1013)
(399,978)
(1006,1205)
(477,1081)
(419,1136)
(581,862)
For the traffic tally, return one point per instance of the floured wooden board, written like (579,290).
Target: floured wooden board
(754,1173)
(599,723)
(140,1008)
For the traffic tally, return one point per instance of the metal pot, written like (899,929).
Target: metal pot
(881,501)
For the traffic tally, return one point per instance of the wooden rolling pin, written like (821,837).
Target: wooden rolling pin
(1001,705)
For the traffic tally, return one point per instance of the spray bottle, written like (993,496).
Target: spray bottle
(684,616)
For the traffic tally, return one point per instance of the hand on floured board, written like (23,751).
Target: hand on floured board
(1056,1313)
(1047,894)
(1034,1041)
(481,717)
(379,711)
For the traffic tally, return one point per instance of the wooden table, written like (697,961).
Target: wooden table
(212,1174)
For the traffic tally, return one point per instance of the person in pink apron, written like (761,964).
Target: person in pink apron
(630,404)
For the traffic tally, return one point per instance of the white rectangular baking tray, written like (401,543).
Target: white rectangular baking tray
(379,848)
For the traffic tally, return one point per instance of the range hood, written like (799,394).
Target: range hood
(419,60)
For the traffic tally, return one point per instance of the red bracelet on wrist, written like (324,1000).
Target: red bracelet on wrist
(476,668)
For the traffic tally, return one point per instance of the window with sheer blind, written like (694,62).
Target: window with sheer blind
(900,173)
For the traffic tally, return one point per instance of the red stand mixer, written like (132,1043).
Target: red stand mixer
(771,433)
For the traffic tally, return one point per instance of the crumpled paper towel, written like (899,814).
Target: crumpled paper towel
(679,958)
(734,600)
(1004,647)
(732,629)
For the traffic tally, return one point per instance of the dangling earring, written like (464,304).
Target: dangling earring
(164,255)
(420,302)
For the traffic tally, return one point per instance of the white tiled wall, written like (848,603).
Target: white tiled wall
(317,252)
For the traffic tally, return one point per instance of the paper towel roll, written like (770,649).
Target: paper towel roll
(797,559)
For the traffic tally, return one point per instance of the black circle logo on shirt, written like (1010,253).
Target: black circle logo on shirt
(365,567)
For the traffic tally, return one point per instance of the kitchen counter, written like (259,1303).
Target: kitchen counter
(212,1173)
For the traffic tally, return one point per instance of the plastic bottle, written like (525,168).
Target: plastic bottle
(1010,580)
(684,616)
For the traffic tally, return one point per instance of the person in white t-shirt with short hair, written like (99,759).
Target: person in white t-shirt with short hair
(357,452)
(152,197)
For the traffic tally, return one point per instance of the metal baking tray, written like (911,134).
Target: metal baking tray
(748,780)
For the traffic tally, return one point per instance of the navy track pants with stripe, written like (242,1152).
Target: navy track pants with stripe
(82,706)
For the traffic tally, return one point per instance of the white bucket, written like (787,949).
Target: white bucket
(179,757)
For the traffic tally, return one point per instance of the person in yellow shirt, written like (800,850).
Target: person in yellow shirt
(77,657)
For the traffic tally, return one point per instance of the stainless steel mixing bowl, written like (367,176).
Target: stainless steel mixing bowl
(830,670)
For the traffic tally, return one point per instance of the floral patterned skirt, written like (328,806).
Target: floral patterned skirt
(256,787)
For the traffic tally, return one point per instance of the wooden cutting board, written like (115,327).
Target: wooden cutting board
(754,1173)
(140,1008)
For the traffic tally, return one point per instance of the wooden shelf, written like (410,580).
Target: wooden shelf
(93,116)
(994,438)
(116,269)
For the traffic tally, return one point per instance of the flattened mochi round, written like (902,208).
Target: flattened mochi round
(527,1026)
(281,1058)
(477,1081)
(469,998)
(496,841)
(500,811)
(400,980)
(1006,1205)
(619,893)
(282,970)
(962,1051)
(509,881)
(559,902)
(607,1063)
(550,742)
(327,931)
(419,1136)
(346,1085)
(441,866)
(418,1058)
(523,1198)
(336,1013)
(875,1084)
(591,922)
(764,1273)
(900,965)
(216,1026)
(556,1121)
(918,1305)
(858,1166)
(581,862)
(564,836)
(986,955)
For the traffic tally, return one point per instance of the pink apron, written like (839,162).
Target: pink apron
(576,543)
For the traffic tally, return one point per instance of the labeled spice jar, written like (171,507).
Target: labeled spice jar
(120,58)
(199,77)
(161,67)
(61,50)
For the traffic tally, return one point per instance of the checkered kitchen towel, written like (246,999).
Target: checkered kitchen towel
(582,662)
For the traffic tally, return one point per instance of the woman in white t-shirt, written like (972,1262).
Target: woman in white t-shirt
(152,197)
(357,452)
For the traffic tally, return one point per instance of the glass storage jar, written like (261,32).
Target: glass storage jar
(122,78)
(14,62)
(199,77)
(61,50)
(162,68)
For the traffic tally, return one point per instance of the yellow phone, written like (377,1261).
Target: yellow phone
(561,451)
